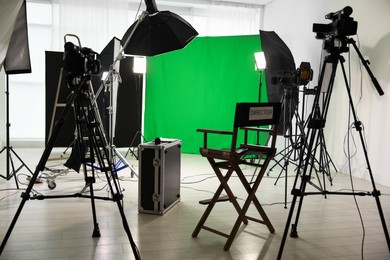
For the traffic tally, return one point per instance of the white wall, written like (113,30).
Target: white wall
(293,21)
(2,108)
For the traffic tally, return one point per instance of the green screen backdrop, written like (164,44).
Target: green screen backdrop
(198,87)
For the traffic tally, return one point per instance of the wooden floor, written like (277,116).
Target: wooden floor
(61,229)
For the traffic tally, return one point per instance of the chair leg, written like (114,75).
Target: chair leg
(252,193)
(256,201)
(223,186)
(242,218)
(207,212)
(237,224)
(263,215)
(223,180)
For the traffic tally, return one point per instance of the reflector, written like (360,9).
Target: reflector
(157,32)
(279,59)
(17,58)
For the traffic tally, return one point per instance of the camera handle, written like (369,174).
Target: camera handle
(365,64)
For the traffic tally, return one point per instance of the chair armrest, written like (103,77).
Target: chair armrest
(258,129)
(211,131)
(214,131)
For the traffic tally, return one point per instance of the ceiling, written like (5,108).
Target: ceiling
(252,2)
(205,2)
(201,2)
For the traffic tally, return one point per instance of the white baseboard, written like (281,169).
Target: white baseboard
(25,143)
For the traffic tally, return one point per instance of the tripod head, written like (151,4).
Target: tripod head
(77,82)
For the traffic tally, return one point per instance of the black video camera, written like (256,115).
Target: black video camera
(342,25)
(80,61)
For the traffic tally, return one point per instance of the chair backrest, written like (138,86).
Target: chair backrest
(257,114)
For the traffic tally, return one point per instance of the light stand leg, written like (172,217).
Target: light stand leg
(122,159)
(290,145)
(278,162)
(325,159)
(8,149)
(131,144)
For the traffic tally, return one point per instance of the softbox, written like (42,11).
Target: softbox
(279,60)
(17,59)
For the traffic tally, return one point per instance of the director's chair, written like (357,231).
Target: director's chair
(247,121)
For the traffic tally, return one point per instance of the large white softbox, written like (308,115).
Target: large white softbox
(14,50)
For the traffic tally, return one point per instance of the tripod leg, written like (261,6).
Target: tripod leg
(87,145)
(287,227)
(305,160)
(96,230)
(296,193)
(100,149)
(41,165)
(358,126)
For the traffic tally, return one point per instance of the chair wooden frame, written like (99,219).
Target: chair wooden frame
(231,159)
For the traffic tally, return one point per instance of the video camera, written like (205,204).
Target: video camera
(342,25)
(80,61)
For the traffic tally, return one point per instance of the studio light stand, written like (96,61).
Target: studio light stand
(139,68)
(324,161)
(11,171)
(292,141)
(16,61)
(335,43)
(260,65)
(108,84)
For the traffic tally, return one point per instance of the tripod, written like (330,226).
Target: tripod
(93,149)
(315,126)
(8,149)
